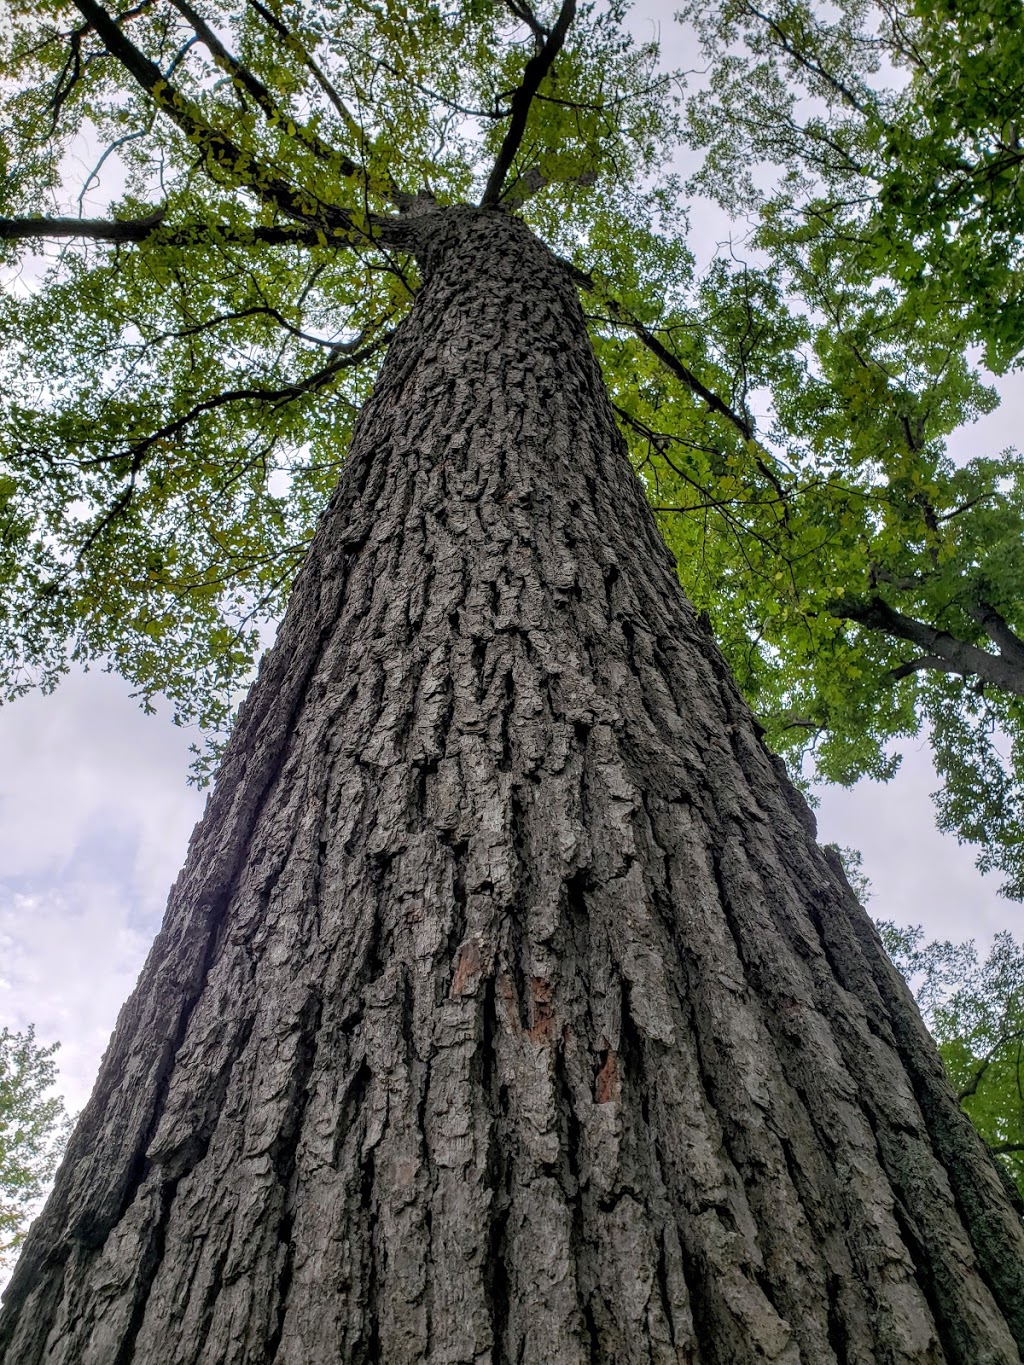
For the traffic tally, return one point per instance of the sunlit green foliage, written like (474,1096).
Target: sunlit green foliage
(33,1131)
(177,408)
(975,1010)
(865,585)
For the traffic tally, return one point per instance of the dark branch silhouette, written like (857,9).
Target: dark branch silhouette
(536,69)
(233,163)
(956,656)
(138,229)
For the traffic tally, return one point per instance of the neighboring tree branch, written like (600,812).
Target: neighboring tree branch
(957,656)
(800,57)
(533,74)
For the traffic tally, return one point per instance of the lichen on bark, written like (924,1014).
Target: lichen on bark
(505,1009)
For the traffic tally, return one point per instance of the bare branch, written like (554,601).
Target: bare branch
(925,661)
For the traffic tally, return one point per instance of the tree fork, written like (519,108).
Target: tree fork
(505,1008)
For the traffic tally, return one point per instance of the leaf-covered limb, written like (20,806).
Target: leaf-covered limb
(533,74)
(233,165)
(136,452)
(622,317)
(338,161)
(959,655)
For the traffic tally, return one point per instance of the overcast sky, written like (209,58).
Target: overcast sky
(95,815)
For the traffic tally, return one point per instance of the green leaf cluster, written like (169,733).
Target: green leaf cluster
(176,406)
(867,587)
(33,1131)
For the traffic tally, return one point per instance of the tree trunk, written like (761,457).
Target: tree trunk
(506,1009)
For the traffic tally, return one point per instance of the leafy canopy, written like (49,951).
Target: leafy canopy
(33,1131)
(181,376)
(868,151)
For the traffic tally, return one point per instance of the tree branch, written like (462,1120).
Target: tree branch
(276,116)
(926,661)
(236,166)
(672,363)
(306,59)
(343,359)
(138,229)
(957,655)
(533,74)
(522,11)
(996,627)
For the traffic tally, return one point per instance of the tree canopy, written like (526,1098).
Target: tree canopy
(183,371)
(33,1131)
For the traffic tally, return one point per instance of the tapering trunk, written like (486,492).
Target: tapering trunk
(505,1009)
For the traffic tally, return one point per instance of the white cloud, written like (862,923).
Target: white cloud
(95,816)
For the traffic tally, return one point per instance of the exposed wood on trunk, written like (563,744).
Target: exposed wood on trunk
(505,1009)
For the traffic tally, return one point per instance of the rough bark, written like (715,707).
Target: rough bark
(506,1009)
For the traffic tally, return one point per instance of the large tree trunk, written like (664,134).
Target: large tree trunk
(505,1009)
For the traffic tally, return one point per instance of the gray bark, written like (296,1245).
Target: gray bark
(505,1009)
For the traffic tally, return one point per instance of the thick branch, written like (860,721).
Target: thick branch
(957,656)
(235,165)
(259,92)
(925,662)
(138,229)
(996,627)
(536,69)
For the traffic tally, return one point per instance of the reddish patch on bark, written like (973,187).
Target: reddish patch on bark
(507,991)
(468,966)
(606,1083)
(543,1011)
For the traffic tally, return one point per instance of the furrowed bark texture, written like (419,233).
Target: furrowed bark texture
(505,1009)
